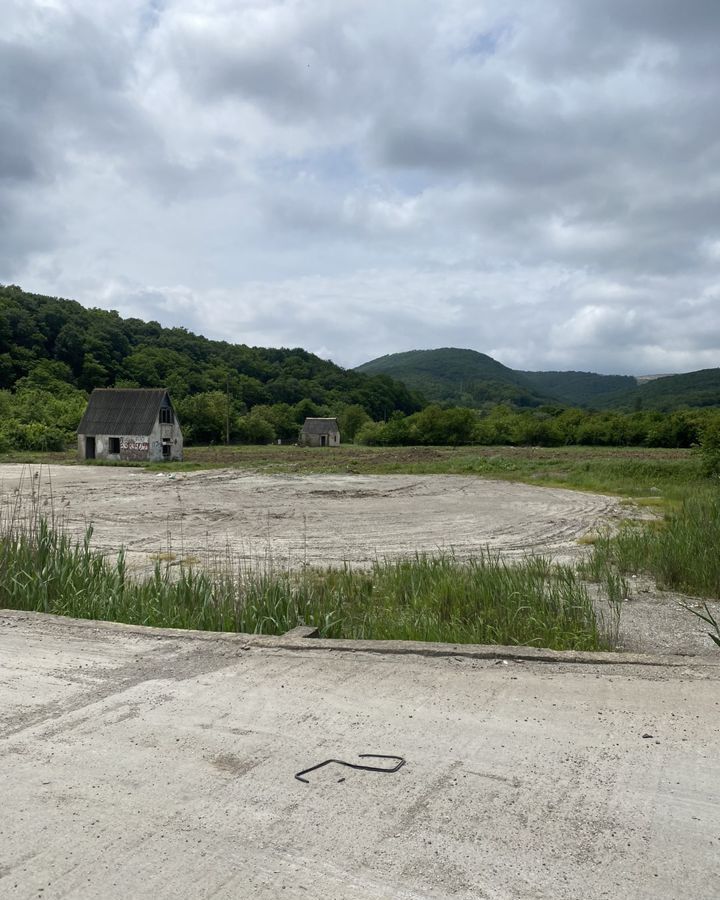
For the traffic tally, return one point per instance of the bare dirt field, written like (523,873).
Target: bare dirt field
(314,519)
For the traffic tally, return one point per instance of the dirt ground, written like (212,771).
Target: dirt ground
(137,763)
(217,515)
(313,519)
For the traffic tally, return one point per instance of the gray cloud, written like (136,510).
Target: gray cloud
(536,181)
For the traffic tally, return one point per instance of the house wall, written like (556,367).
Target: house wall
(159,433)
(315,440)
(137,447)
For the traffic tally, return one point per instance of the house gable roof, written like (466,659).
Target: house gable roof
(123,410)
(320,426)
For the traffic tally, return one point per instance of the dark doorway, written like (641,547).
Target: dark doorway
(323,440)
(166,448)
(90,447)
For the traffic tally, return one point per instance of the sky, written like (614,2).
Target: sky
(538,180)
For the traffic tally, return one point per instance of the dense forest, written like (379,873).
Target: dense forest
(54,352)
(586,389)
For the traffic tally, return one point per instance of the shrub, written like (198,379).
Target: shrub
(34,436)
(709,449)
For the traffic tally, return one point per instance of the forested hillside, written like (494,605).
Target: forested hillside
(472,379)
(585,389)
(459,377)
(696,389)
(52,352)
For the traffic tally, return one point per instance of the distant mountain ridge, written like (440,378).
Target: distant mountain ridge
(470,378)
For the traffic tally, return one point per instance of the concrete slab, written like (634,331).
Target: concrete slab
(137,763)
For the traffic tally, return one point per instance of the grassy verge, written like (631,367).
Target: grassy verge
(627,471)
(618,470)
(426,598)
(681,552)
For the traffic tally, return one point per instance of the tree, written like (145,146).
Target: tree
(709,449)
(351,420)
(94,374)
(203,417)
(70,347)
(254,428)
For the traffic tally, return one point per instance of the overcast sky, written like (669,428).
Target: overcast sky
(535,179)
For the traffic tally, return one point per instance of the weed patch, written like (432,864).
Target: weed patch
(427,598)
(681,551)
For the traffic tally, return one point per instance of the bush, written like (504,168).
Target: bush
(709,450)
(34,436)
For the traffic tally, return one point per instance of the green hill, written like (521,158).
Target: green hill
(469,378)
(460,377)
(46,341)
(696,389)
(584,389)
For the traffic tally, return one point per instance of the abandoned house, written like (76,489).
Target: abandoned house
(320,433)
(130,424)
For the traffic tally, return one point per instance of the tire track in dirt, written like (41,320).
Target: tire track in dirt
(314,519)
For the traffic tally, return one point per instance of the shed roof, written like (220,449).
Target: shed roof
(320,426)
(122,410)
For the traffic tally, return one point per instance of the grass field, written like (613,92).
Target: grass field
(626,471)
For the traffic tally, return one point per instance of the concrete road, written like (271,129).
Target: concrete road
(145,764)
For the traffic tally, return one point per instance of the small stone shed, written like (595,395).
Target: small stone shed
(320,433)
(130,424)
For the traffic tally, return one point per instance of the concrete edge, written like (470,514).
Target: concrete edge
(303,639)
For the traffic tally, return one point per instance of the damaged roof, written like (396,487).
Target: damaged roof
(123,410)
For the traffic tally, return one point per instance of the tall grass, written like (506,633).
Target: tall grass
(682,551)
(429,598)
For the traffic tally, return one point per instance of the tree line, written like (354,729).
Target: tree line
(43,412)
(546,426)
(53,352)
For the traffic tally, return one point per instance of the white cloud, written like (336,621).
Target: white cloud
(536,181)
